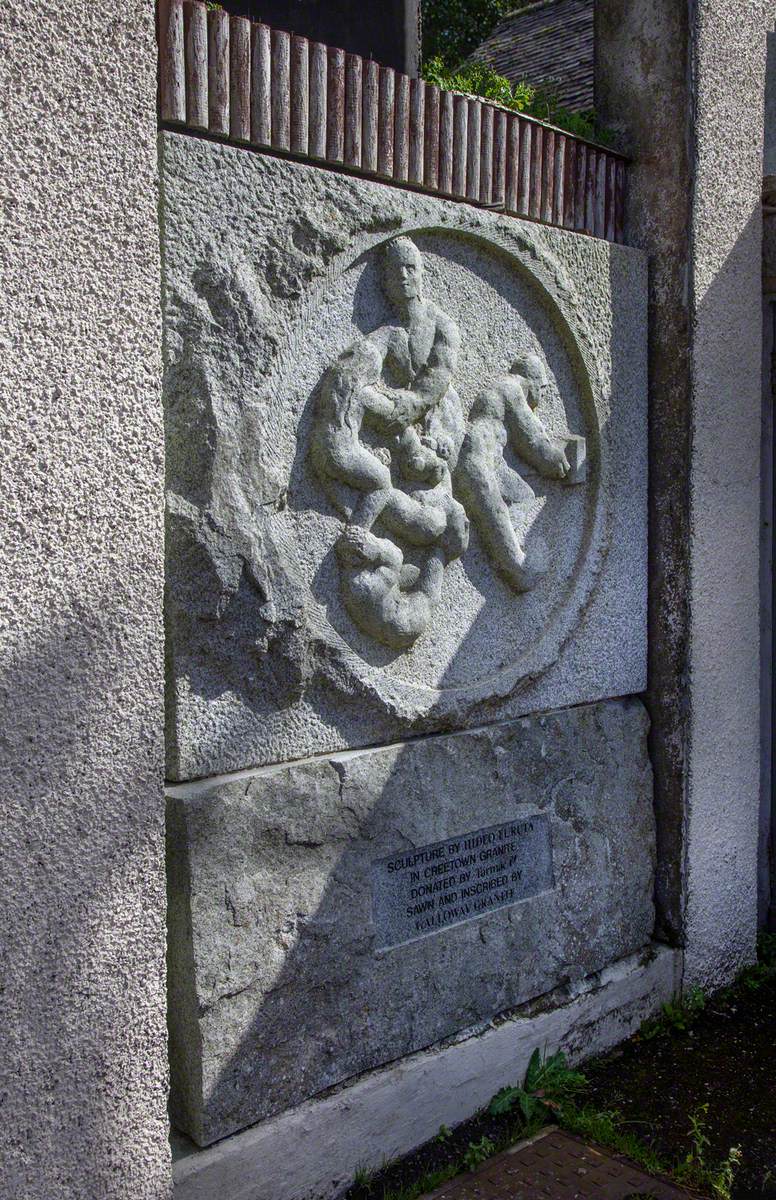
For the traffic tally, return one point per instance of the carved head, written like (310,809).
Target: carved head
(403,271)
(533,371)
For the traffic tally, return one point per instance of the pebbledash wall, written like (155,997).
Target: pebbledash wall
(82,897)
(275,864)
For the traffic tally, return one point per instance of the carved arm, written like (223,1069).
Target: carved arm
(530,440)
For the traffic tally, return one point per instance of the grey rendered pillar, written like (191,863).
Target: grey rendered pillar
(684,82)
(82,896)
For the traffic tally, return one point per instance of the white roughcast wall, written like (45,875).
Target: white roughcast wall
(82,898)
(726,239)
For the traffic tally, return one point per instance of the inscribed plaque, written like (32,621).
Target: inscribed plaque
(419,891)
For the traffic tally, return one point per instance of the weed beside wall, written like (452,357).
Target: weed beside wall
(540,101)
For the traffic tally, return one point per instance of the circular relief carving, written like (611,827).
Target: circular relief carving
(438,425)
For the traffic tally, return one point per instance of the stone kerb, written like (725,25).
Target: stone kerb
(312,608)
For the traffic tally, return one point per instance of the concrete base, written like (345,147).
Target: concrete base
(312,1152)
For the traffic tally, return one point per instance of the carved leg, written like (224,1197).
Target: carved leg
(455,539)
(369,508)
(431,576)
(419,524)
(342,460)
(479,490)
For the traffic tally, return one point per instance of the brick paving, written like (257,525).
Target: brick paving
(558,1166)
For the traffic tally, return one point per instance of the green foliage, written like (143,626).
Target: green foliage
(548,1082)
(696,1171)
(605,1127)
(677,1016)
(479,79)
(426,1183)
(452,29)
(363,1178)
(551,1091)
(477,1152)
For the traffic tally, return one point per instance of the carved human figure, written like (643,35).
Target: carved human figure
(504,411)
(391,600)
(387,433)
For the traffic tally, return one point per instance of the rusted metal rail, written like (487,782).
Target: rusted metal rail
(236,79)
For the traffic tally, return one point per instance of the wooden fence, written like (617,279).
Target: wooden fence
(236,79)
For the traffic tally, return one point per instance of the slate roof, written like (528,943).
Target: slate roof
(548,41)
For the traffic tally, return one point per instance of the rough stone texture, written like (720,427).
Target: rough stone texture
(641,51)
(389,1112)
(276,991)
(271,270)
(83,1076)
(693,203)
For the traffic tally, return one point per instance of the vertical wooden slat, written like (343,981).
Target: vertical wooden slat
(526,160)
(580,187)
(590,182)
(460,139)
(319,74)
(371,92)
(335,107)
(619,202)
(512,183)
(417,123)
(172,62)
(354,81)
(559,179)
(611,185)
(261,85)
(499,157)
(236,78)
(195,36)
(218,70)
(401,128)
(486,154)
(446,142)
(568,191)
(385,121)
(300,95)
(281,90)
(431,139)
(600,195)
(473,150)
(240,79)
(537,162)
(548,174)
